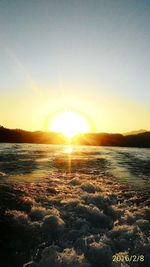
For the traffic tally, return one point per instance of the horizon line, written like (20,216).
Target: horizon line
(100,132)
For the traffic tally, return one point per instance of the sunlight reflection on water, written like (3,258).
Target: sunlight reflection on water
(32,161)
(68,149)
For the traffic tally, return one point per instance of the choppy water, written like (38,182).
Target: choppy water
(33,161)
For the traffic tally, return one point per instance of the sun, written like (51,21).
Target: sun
(69,123)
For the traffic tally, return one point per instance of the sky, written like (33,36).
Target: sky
(91,56)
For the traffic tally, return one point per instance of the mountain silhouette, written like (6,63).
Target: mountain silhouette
(135,132)
(95,139)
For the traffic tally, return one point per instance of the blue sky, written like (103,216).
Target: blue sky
(93,56)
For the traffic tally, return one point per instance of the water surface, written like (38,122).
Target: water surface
(26,162)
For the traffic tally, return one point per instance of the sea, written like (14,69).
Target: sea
(30,162)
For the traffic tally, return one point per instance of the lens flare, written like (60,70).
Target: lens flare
(69,123)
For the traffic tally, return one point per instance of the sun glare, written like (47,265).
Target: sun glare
(69,123)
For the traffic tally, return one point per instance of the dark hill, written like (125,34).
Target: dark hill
(135,132)
(39,137)
(97,139)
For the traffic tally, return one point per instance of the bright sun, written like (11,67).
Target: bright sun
(69,123)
